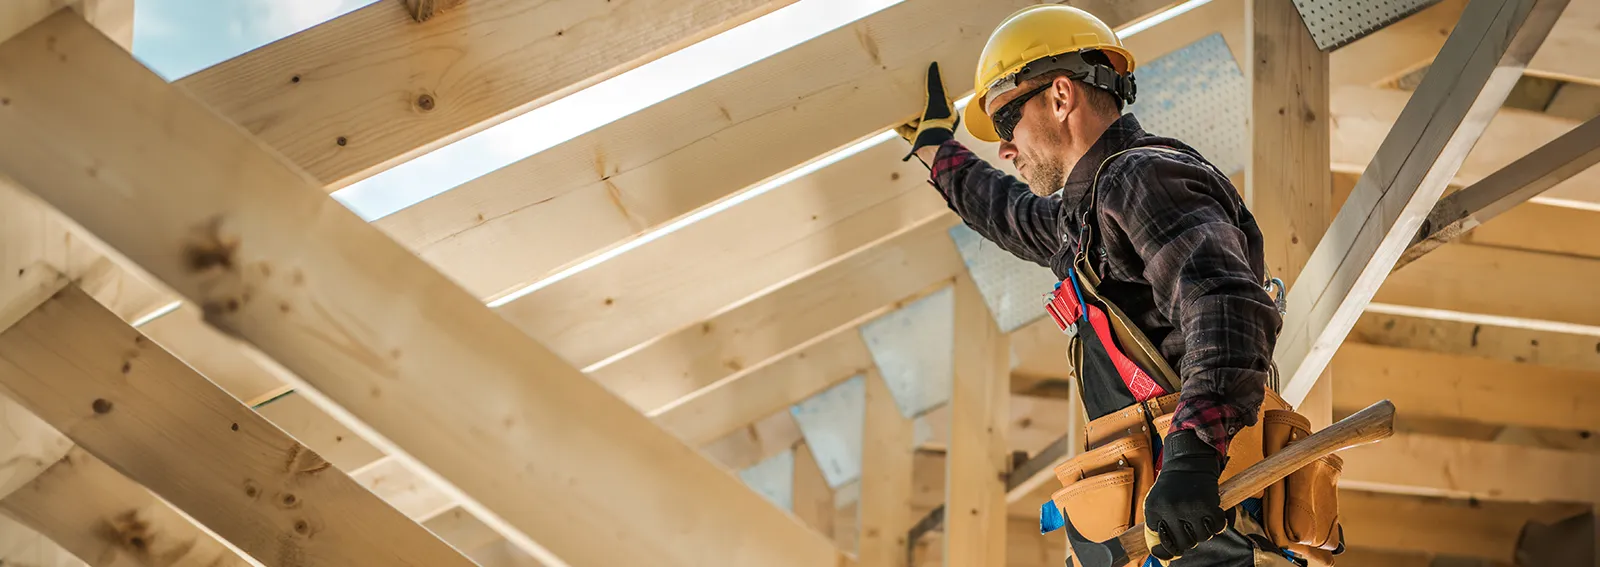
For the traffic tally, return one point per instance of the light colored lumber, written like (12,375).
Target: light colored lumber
(132,404)
(1363,115)
(1462,468)
(20,545)
(760,244)
(1501,282)
(1569,53)
(28,445)
(1032,423)
(1449,386)
(1286,179)
(407,491)
(885,503)
(1541,227)
(1500,342)
(107,520)
(812,499)
(1025,547)
(1400,48)
(424,10)
(1449,111)
(112,17)
(755,442)
(757,333)
(217,356)
(607,186)
(393,90)
(1363,557)
(434,377)
(311,425)
(979,459)
(1485,530)
(715,412)
(462,530)
(1550,164)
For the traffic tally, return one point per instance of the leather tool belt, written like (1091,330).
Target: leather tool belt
(1129,392)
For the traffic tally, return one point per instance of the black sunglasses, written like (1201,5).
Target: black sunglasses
(1005,119)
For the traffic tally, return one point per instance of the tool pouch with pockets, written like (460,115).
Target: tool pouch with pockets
(1303,508)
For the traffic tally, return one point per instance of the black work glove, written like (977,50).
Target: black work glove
(1183,508)
(938,120)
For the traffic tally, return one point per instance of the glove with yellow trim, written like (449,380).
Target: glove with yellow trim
(938,120)
(1183,509)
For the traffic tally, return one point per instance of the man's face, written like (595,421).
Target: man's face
(1035,148)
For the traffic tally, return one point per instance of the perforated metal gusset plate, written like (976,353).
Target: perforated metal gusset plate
(911,347)
(1199,96)
(1335,23)
(831,423)
(1013,288)
(773,478)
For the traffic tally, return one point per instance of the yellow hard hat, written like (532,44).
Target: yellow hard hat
(1031,34)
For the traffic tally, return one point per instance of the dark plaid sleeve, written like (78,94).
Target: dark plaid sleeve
(1181,219)
(997,205)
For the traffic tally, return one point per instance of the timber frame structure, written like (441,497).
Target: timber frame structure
(207,360)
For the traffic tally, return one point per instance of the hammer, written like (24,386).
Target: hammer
(1374,423)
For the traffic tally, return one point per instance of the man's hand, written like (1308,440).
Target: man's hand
(938,120)
(1183,507)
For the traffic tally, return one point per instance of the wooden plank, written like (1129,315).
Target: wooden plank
(424,10)
(390,90)
(1550,164)
(1289,136)
(1471,529)
(1444,118)
(312,426)
(609,185)
(1465,338)
(107,520)
(112,17)
(1400,48)
(100,382)
(246,218)
(723,408)
(979,459)
(754,334)
(885,503)
(1364,115)
(812,498)
(1568,54)
(651,291)
(1471,388)
(1499,281)
(462,530)
(20,545)
(1462,468)
(406,490)
(1541,227)
(753,443)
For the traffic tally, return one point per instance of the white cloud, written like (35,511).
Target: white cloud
(274,19)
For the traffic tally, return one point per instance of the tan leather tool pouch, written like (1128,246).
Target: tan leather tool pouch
(1303,508)
(1120,471)
(1122,423)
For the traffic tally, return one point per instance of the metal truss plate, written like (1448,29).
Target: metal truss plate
(911,348)
(773,478)
(831,423)
(1198,95)
(1336,23)
(1013,288)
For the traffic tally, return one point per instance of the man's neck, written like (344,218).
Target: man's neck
(1083,135)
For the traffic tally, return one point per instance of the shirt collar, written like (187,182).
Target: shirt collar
(1120,135)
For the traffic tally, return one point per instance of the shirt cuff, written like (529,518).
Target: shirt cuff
(951,156)
(1214,422)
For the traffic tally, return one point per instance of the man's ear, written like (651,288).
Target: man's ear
(1067,97)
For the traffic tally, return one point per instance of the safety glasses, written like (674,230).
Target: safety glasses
(1008,115)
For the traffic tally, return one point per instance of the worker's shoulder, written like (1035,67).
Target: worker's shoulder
(1168,158)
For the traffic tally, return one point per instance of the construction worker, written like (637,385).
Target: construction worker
(1171,247)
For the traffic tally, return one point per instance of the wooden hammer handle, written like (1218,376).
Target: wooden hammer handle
(1374,423)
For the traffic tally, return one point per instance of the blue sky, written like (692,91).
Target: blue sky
(176,38)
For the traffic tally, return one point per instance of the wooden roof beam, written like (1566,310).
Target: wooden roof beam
(1553,163)
(81,368)
(107,520)
(370,89)
(1477,67)
(1411,463)
(608,186)
(276,262)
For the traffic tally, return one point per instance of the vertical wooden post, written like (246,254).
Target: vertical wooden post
(975,490)
(885,503)
(811,498)
(1289,174)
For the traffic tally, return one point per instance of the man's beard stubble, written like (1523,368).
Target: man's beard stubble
(1046,172)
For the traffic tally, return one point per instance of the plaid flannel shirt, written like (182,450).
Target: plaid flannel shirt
(1179,253)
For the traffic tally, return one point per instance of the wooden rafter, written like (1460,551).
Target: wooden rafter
(1462,468)
(886,469)
(124,399)
(1552,163)
(259,246)
(979,456)
(1450,109)
(367,90)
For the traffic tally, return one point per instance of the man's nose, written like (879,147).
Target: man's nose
(1008,150)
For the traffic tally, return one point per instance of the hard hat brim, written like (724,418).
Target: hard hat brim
(978,123)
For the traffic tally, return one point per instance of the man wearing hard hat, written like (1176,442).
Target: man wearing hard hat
(1164,293)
